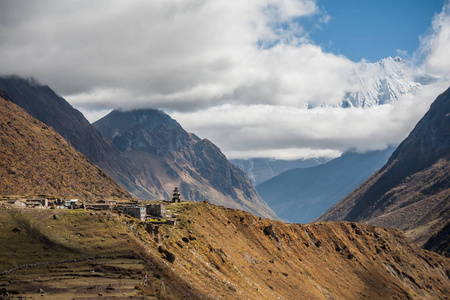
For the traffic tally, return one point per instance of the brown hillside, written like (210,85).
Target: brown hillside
(219,253)
(45,105)
(412,191)
(34,160)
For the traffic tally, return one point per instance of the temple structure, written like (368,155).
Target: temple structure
(176,195)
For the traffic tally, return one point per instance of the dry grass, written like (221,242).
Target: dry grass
(212,252)
(34,159)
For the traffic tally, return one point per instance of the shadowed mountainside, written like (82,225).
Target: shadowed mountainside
(215,252)
(412,191)
(34,159)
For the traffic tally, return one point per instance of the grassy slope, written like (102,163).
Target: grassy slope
(225,253)
(34,159)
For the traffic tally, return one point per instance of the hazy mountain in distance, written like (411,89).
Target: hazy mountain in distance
(263,169)
(302,195)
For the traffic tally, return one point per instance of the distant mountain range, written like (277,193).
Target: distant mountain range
(148,159)
(36,160)
(412,191)
(263,169)
(301,195)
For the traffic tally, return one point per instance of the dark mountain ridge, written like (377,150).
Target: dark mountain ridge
(412,191)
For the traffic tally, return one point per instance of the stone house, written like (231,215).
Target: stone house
(37,202)
(98,206)
(138,212)
(66,203)
(156,210)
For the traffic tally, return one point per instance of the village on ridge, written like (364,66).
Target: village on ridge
(155,212)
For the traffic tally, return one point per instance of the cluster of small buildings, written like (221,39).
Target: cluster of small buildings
(134,209)
(45,203)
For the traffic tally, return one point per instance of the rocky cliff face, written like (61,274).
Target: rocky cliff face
(159,145)
(34,160)
(412,191)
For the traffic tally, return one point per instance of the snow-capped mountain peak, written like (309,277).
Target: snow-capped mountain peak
(381,82)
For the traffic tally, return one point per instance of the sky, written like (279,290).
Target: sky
(243,74)
(374,29)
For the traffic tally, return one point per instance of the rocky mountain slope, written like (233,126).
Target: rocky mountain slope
(260,170)
(201,172)
(302,195)
(213,252)
(412,191)
(44,104)
(172,157)
(34,160)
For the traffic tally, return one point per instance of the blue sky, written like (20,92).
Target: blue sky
(373,29)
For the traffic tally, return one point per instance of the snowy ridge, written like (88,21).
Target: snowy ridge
(382,82)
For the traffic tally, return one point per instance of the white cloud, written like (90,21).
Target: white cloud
(237,72)
(289,133)
(171,54)
(436,45)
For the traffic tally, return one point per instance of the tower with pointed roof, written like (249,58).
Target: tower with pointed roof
(176,195)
